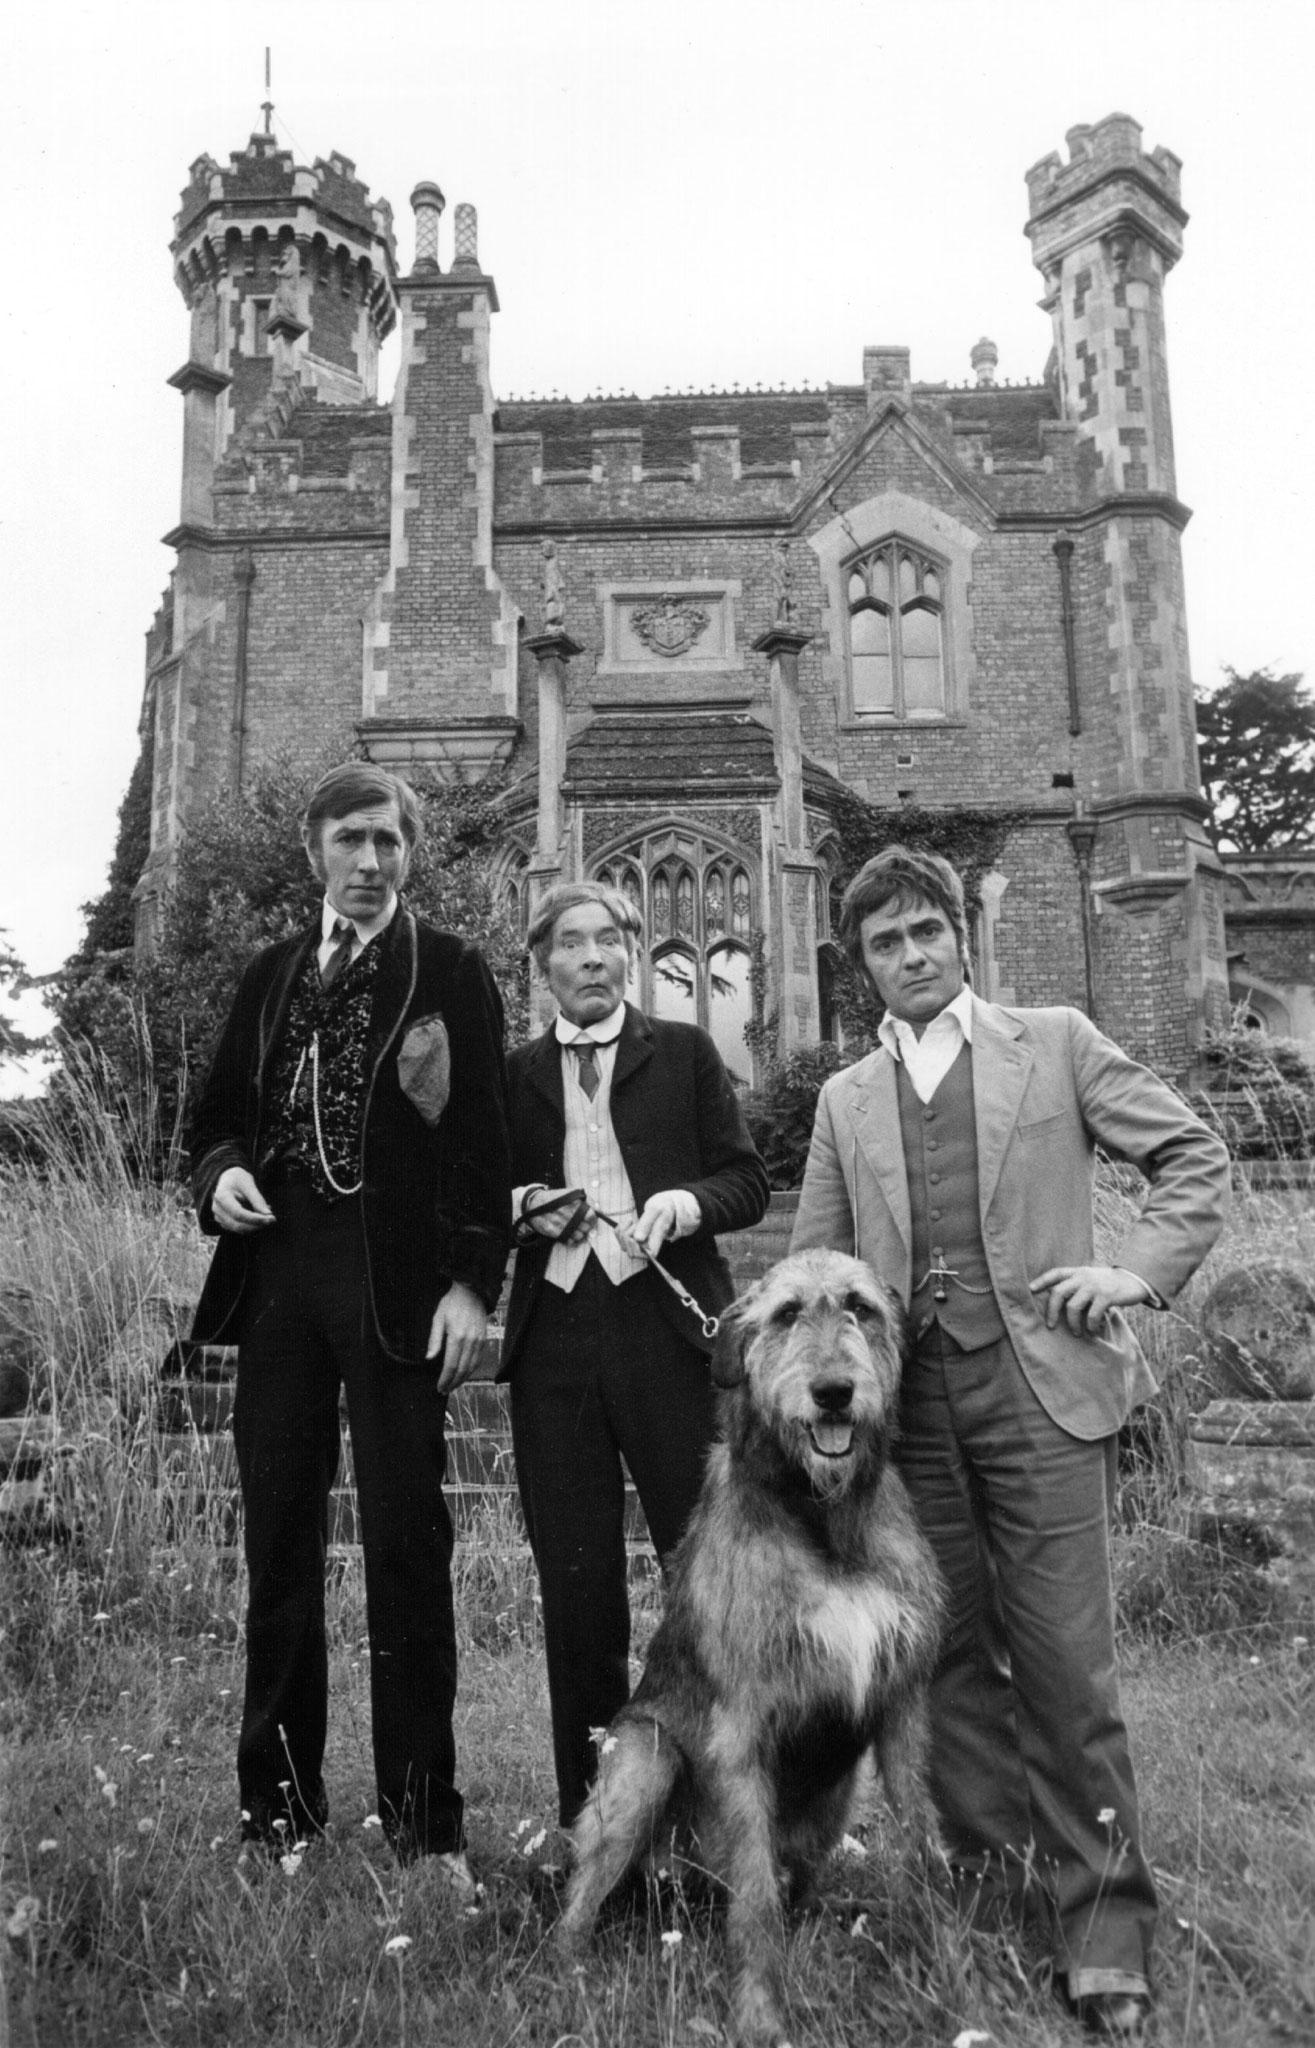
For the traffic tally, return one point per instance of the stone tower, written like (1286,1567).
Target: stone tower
(1106,228)
(289,275)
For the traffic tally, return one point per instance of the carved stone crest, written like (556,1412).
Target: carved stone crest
(669,625)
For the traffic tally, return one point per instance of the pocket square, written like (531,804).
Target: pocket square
(424,1067)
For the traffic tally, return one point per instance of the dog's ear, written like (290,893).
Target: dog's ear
(728,1367)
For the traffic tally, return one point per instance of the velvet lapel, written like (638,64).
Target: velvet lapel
(274,1009)
(1001,1066)
(874,1116)
(394,986)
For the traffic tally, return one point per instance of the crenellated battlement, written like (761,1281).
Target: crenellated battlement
(1094,151)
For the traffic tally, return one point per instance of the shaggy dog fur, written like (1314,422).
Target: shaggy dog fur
(800,1628)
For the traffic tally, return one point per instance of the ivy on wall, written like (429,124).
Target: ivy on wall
(971,838)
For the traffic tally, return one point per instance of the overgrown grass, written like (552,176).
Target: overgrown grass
(129,1919)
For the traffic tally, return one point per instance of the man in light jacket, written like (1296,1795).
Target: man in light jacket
(958,1160)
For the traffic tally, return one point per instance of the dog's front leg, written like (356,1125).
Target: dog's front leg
(902,1748)
(743,1813)
(637,1774)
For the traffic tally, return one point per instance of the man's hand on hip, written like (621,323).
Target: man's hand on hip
(237,1203)
(1084,1295)
(457,1332)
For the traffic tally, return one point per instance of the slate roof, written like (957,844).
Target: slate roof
(764,420)
(692,748)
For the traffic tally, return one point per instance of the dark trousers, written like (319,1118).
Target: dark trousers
(1031,1770)
(306,1331)
(601,1376)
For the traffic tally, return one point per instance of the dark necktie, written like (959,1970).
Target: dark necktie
(339,953)
(586,1053)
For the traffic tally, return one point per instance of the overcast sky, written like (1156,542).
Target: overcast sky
(686,194)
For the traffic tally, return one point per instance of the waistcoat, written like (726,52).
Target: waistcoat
(940,1160)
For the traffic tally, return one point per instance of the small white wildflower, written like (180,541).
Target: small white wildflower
(102,1616)
(536,1841)
(216,1842)
(1253,1660)
(520,1828)
(851,1846)
(47,1847)
(858,1927)
(245,1814)
(125,1747)
(25,1916)
(1105,1818)
(147,1757)
(971,2037)
(280,1826)
(145,1827)
(607,1745)
(671,1941)
(398,1946)
(372,1820)
(1299,1642)
(291,1863)
(109,1790)
(225,1692)
(178,1660)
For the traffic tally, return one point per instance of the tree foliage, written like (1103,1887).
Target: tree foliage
(1257,744)
(242,882)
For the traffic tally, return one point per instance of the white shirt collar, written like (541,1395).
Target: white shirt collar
(365,928)
(604,1032)
(895,1034)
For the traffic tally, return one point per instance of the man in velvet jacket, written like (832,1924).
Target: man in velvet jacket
(350,1151)
(626,1134)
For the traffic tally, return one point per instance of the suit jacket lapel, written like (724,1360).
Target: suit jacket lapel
(274,1009)
(1001,1065)
(874,1114)
(394,985)
(634,1048)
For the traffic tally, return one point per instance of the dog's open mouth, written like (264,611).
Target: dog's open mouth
(831,1439)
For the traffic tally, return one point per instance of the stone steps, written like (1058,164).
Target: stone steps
(195,1403)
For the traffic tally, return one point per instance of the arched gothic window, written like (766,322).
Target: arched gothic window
(896,654)
(696,900)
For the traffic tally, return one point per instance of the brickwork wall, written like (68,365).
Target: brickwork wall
(444,623)
(1038,930)
(304,645)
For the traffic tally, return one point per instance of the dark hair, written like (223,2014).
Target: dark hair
(902,875)
(565,896)
(360,786)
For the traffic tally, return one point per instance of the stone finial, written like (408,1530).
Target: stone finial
(984,357)
(427,203)
(554,601)
(465,222)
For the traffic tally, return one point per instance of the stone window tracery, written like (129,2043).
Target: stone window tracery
(696,900)
(895,596)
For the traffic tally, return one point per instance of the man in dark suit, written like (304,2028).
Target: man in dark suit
(350,1150)
(627,1138)
(957,1159)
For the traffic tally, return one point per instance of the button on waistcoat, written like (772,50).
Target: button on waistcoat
(940,1160)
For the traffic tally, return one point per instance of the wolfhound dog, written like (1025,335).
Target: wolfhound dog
(800,1628)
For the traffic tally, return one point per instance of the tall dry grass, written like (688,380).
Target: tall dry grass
(127,1919)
